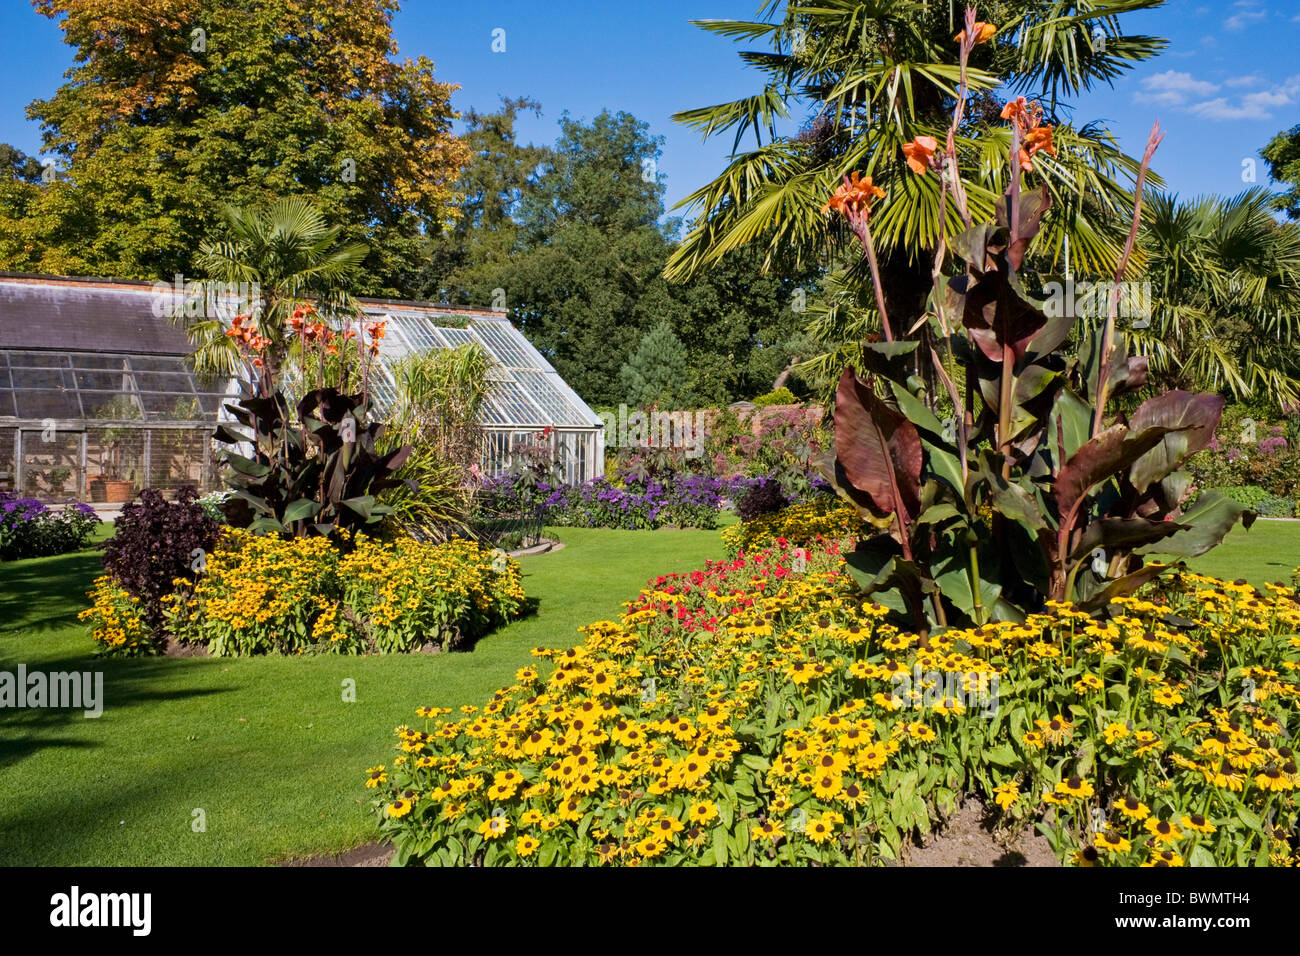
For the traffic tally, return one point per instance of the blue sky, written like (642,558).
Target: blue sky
(1229,80)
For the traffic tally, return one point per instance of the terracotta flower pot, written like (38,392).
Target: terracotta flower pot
(103,490)
(118,490)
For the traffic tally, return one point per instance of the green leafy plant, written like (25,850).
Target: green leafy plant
(438,409)
(1260,501)
(780,396)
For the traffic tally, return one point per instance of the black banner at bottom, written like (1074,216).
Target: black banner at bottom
(369,905)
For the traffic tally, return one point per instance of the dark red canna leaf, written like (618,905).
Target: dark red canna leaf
(878,449)
(1192,420)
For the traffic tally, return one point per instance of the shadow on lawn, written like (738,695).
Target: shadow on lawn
(466,645)
(35,593)
(127,683)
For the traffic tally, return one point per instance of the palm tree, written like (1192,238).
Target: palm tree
(868,76)
(290,255)
(1225,279)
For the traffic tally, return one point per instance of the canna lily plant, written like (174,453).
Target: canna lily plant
(318,467)
(998,482)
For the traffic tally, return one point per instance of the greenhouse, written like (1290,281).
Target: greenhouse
(528,396)
(98,400)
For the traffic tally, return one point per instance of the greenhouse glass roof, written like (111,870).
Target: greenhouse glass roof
(106,386)
(95,350)
(103,349)
(527,391)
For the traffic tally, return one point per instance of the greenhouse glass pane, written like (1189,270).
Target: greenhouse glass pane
(551,399)
(164,382)
(95,363)
(515,405)
(118,406)
(168,406)
(491,414)
(106,381)
(501,341)
(210,383)
(162,363)
(38,360)
(383,391)
(457,336)
(56,378)
(418,333)
(39,403)
(211,404)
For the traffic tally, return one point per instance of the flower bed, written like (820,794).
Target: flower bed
(748,714)
(823,517)
(29,529)
(265,594)
(684,501)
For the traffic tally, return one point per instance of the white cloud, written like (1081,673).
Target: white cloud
(1175,82)
(1173,88)
(1248,11)
(1259,105)
(1220,109)
(1257,98)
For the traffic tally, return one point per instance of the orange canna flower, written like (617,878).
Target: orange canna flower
(983,33)
(854,196)
(1037,140)
(1015,109)
(920,153)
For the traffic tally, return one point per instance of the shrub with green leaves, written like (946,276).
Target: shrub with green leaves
(315,469)
(781,396)
(1260,501)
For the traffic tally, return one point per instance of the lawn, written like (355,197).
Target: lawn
(266,747)
(1269,551)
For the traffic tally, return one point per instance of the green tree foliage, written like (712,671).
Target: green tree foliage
(578,254)
(1225,279)
(177,107)
(291,255)
(603,175)
(17,165)
(656,372)
(500,172)
(20,190)
(862,79)
(1283,157)
(581,279)
(743,327)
